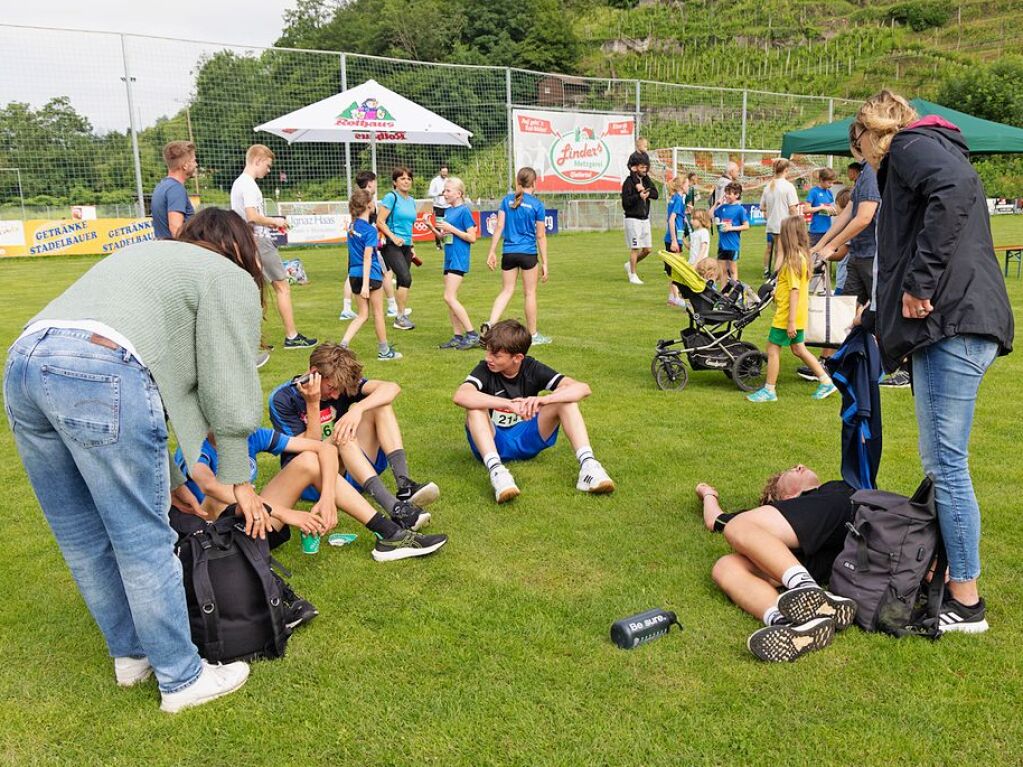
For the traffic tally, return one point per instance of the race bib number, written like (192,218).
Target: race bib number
(327,415)
(504,418)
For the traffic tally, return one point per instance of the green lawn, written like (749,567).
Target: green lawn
(496,651)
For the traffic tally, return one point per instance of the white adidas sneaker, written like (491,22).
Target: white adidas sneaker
(504,484)
(214,681)
(131,671)
(593,478)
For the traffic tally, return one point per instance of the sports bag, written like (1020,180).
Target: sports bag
(235,606)
(829,317)
(888,552)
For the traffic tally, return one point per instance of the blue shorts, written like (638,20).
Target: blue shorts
(770,238)
(517,443)
(312,494)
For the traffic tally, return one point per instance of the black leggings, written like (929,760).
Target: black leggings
(399,260)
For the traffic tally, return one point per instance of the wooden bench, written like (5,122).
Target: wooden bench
(1012,253)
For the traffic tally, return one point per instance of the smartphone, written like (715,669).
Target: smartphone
(305,379)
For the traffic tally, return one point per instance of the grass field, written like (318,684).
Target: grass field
(496,651)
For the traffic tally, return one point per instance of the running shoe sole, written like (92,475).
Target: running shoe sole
(783,644)
(805,603)
(601,488)
(507,494)
(426,495)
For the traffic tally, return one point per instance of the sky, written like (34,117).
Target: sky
(36,66)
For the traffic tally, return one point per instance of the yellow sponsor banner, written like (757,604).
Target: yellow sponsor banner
(65,237)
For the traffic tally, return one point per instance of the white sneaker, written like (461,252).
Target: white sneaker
(392,311)
(346,315)
(214,681)
(634,279)
(593,478)
(628,270)
(131,671)
(504,484)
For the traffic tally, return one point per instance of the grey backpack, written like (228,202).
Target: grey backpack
(888,553)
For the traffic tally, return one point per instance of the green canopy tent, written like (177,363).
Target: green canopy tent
(982,136)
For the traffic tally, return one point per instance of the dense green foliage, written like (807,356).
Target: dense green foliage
(495,651)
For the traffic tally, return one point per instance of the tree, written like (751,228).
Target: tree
(992,91)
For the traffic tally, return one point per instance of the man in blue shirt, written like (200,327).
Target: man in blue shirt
(731,219)
(170,205)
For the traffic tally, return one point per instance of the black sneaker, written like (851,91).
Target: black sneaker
(955,616)
(897,380)
(407,544)
(419,494)
(804,603)
(299,342)
(804,372)
(409,516)
(296,610)
(778,644)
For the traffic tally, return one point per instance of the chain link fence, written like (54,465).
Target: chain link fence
(84,117)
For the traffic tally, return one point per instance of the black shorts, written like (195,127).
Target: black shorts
(398,259)
(859,279)
(818,519)
(459,272)
(727,255)
(524,261)
(356,283)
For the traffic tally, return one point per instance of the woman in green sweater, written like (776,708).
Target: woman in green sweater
(170,326)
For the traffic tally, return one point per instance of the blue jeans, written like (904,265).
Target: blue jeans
(946,377)
(88,423)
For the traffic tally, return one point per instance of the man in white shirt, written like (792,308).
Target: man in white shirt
(247,202)
(778,201)
(440,205)
(731,174)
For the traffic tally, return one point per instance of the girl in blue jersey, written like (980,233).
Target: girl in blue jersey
(676,231)
(458,230)
(396,215)
(366,274)
(521,220)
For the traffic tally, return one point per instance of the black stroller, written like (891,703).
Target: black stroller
(713,340)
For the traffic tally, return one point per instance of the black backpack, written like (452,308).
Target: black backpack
(884,565)
(235,605)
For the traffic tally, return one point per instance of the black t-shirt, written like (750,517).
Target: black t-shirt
(533,377)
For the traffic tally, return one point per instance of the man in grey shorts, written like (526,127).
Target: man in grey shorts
(247,202)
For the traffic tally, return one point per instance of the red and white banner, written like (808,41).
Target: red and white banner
(573,151)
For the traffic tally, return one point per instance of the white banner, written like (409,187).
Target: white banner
(574,151)
(317,228)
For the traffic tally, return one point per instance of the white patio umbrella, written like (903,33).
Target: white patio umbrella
(367,113)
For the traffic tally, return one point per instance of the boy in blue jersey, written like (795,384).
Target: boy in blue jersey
(507,419)
(366,274)
(333,403)
(821,203)
(731,219)
(312,463)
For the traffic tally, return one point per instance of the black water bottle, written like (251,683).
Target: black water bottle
(642,628)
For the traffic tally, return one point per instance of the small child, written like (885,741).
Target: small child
(691,198)
(821,203)
(707,268)
(842,253)
(731,219)
(675,233)
(458,232)
(792,298)
(699,238)
(366,274)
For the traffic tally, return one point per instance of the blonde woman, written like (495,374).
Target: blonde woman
(457,230)
(777,202)
(940,303)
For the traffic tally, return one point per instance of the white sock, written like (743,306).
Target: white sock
(769,387)
(392,303)
(797,576)
(492,461)
(772,615)
(347,305)
(584,454)
(825,379)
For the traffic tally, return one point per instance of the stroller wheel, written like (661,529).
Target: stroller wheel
(670,373)
(750,370)
(738,348)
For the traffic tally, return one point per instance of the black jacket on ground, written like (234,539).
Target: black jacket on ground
(634,205)
(934,241)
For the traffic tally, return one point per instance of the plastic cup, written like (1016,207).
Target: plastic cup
(310,543)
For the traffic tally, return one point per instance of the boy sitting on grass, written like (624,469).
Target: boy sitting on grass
(507,419)
(312,463)
(332,402)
